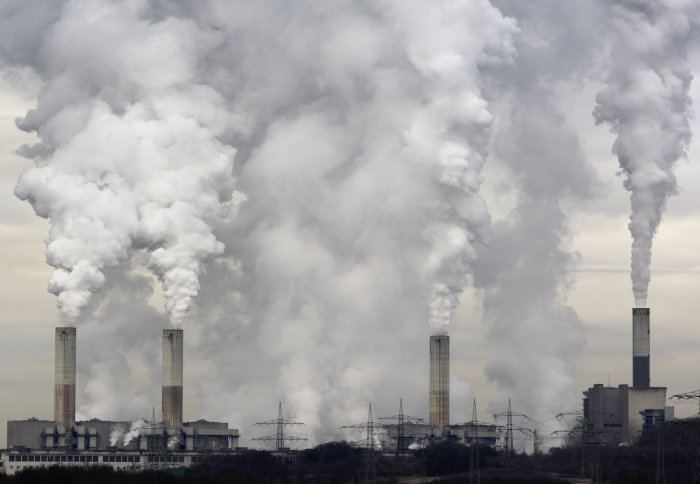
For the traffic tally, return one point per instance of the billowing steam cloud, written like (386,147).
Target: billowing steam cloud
(524,272)
(362,210)
(647,105)
(359,132)
(130,154)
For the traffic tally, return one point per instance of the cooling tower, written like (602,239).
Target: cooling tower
(64,384)
(172,378)
(439,383)
(640,348)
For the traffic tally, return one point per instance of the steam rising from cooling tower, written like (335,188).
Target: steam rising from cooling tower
(647,105)
(64,381)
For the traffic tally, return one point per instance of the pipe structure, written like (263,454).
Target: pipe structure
(64,378)
(172,378)
(439,383)
(640,348)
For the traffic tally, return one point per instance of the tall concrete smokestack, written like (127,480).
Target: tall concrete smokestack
(640,348)
(439,383)
(172,377)
(64,383)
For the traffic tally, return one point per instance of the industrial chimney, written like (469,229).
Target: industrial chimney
(439,383)
(172,378)
(64,384)
(640,348)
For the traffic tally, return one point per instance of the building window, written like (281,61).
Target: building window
(50,458)
(12,458)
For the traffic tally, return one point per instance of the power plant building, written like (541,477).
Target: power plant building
(119,444)
(619,414)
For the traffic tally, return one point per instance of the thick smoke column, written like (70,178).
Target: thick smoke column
(130,154)
(362,211)
(524,273)
(647,105)
(360,131)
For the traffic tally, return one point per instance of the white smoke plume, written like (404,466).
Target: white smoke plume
(138,428)
(524,273)
(172,442)
(647,106)
(361,178)
(359,131)
(130,154)
(116,435)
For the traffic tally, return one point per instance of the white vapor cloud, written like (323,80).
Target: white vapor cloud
(646,102)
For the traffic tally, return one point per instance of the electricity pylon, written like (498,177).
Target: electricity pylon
(590,457)
(370,458)
(400,425)
(474,471)
(508,448)
(280,436)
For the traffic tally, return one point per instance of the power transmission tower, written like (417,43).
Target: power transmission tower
(508,448)
(370,457)
(279,423)
(402,440)
(590,459)
(474,471)
(689,396)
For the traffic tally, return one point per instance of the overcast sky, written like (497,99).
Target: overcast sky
(298,306)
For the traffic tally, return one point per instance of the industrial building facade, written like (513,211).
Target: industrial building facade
(121,445)
(617,415)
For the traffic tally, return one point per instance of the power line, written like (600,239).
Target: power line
(370,457)
(279,423)
(402,440)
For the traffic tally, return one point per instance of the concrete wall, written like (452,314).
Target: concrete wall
(613,414)
(640,399)
(107,432)
(607,412)
(439,383)
(26,433)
